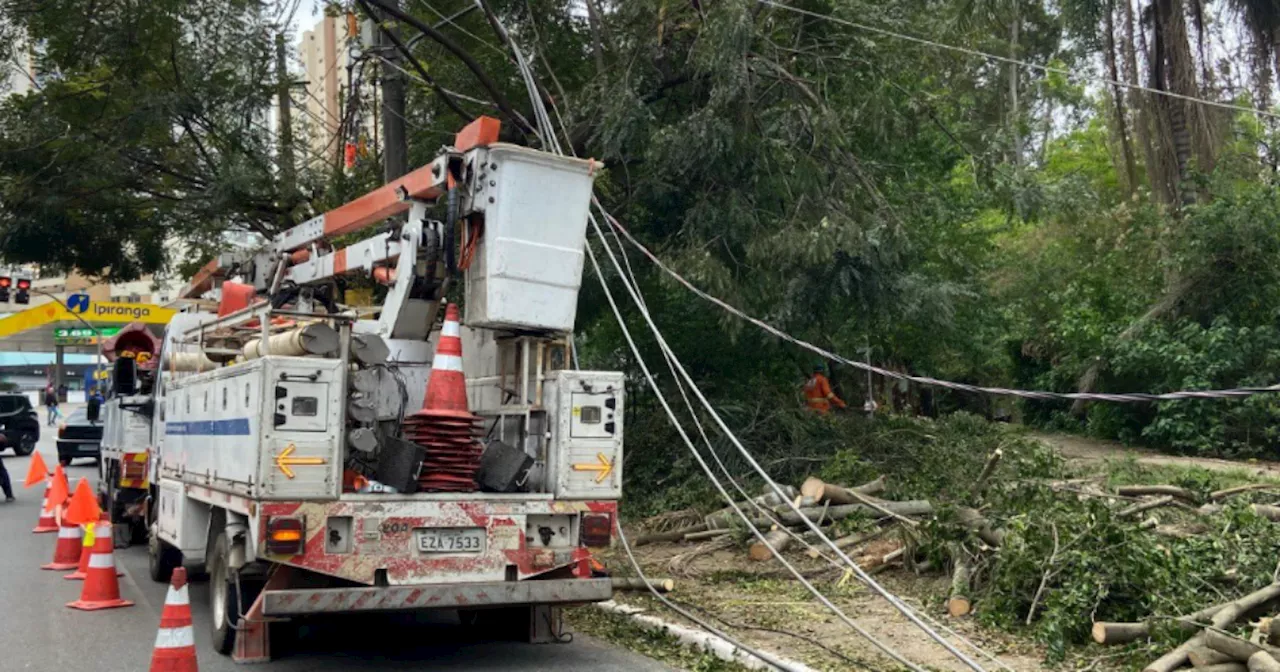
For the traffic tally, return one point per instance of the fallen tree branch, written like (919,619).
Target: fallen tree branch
(779,539)
(1144,506)
(917,507)
(988,469)
(1146,490)
(1237,648)
(1263,661)
(1219,495)
(625,583)
(705,535)
(958,603)
(974,520)
(1048,574)
(670,535)
(1226,615)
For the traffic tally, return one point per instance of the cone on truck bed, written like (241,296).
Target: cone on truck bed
(445,426)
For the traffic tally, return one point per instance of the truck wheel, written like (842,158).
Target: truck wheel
(224,603)
(163,557)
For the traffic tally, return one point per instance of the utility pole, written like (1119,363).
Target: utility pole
(395,150)
(288,171)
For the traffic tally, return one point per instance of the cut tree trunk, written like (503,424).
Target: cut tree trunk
(1145,490)
(822,492)
(670,535)
(624,583)
(849,541)
(1203,656)
(1224,667)
(1119,633)
(778,539)
(1226,615)
(1239,649)
(1267,511)
(1263,662)
(958,604)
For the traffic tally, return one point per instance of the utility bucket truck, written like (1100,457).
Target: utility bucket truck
(290,453)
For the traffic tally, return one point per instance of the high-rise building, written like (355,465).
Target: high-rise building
(324,53)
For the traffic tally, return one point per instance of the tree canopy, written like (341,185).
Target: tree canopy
(1092,205)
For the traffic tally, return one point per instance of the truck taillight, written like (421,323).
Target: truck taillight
(285,536)
(597,530)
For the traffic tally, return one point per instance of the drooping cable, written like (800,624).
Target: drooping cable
(1071,75)
(706,468)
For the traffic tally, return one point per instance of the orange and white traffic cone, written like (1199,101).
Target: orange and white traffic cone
(91,533)
(445,426)
(175,649)
(46,523)
(101,587)
(66,553)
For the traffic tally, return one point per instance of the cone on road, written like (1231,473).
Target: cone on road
(46,523)
(66,553)
(37,472)
(83,508)
(101,588)
(175,649)
(59,491)
(91,534)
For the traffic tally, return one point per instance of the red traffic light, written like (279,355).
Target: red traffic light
(5,282)
(23,283)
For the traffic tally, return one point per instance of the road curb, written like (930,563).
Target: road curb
(717,646)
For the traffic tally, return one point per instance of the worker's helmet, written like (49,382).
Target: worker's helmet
(819,367)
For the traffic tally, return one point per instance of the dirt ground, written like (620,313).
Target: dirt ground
(1088,450)
(750,598)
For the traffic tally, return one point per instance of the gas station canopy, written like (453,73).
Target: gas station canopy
(77,326)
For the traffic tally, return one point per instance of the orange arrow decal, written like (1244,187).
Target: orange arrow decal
(602,470)
(284,461)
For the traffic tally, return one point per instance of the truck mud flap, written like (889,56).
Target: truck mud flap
(435,596)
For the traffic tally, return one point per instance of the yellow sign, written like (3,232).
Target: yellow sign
(284,461)
(94,312)
(603,469)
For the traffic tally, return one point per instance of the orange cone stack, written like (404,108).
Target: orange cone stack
(66,553)
(101,587)
(91,534)
(46,523)
(175,649)
(445,426)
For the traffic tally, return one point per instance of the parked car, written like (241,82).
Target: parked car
(19,422)
(78,436)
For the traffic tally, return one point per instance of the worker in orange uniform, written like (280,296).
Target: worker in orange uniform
(818,394)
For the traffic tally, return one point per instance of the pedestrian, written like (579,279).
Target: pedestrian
(5,485)
(94,401)
(818,394)
(51,405)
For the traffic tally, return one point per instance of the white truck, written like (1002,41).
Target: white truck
(276,456)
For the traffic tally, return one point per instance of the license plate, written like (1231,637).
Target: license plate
(451,540)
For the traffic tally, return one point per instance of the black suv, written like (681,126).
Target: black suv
(19,423)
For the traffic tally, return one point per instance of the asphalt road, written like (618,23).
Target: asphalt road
(38,632)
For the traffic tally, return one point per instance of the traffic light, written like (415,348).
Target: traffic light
(23,296)
(5,283)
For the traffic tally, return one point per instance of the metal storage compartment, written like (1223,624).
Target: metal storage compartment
(528,264)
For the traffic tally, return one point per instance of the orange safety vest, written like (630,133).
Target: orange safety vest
(819,396)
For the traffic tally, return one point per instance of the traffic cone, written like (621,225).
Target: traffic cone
(46,523)
(59,490)
(445,426)
(91,533)
(83,508)
(175,649)
(37,472)
(101,588)
(66,553)
(447,386)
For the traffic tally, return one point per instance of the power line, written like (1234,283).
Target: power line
(1070,74)
(1128,397)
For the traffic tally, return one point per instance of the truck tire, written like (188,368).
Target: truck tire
(224,603)
(163,557)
